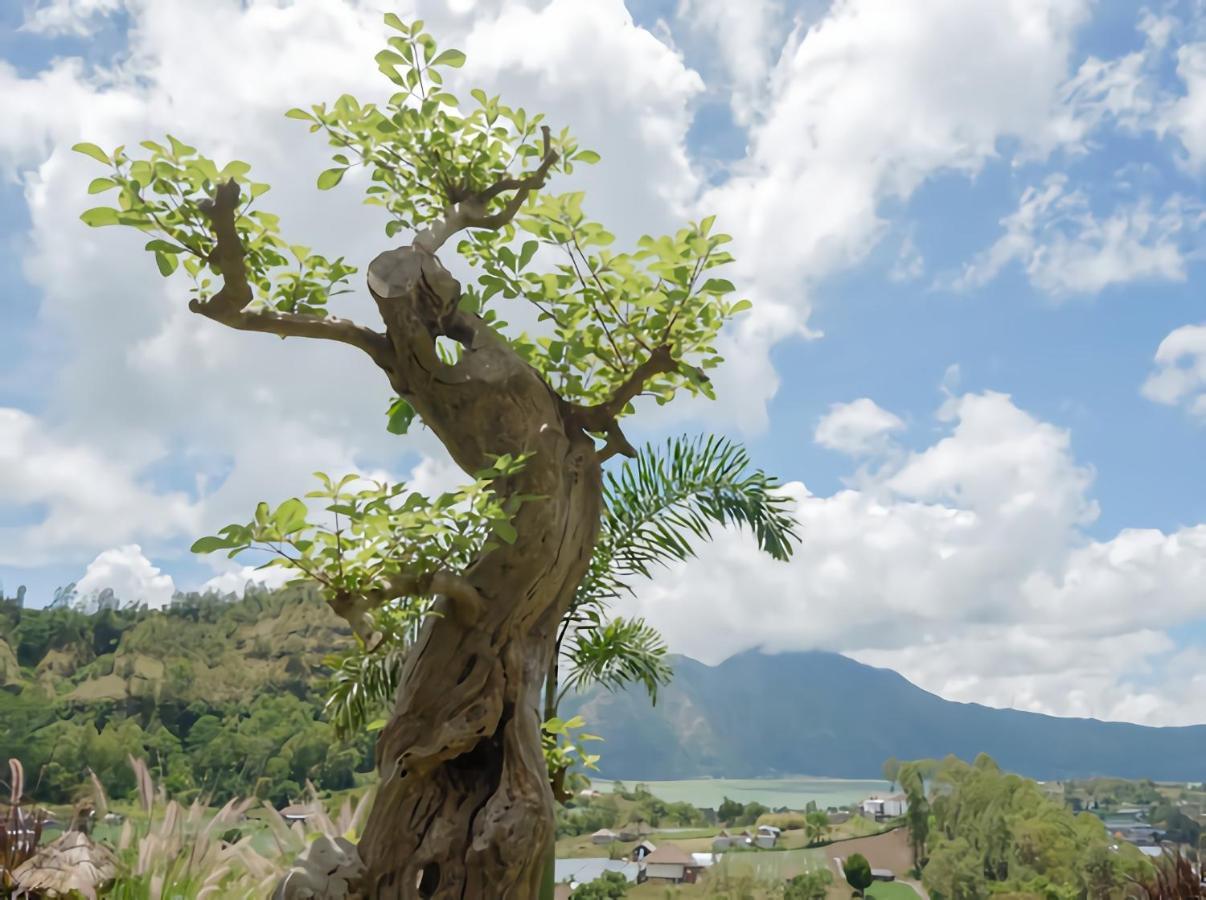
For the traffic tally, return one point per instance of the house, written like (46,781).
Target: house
(723,841)
(703,860)
(765,837)
(295,813)
(883,875)
(643,849)
(604,836)
(670,863)
(879,809)
(589,794)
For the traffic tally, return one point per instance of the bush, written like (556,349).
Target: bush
(789,821)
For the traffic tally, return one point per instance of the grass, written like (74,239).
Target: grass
(792,793)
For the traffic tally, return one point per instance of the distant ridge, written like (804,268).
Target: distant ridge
(758,715)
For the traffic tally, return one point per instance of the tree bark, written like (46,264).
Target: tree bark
(464,808)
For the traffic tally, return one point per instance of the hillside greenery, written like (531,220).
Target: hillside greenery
(221,697)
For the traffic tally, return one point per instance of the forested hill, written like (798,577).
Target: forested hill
(218,696)
(226,697)
(824,714)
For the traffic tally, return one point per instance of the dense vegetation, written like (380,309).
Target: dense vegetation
(991,832)
(221,697)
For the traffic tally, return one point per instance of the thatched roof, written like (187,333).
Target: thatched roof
(73,862)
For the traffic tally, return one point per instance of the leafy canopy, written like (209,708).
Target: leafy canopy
(601,313)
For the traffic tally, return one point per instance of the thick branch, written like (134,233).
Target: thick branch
(471,212)
(467,604)
(229,305)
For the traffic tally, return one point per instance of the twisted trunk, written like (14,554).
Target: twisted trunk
(464,808)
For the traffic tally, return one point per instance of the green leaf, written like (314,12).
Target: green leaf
(94,151)
(329,178)
(453,58)
(209,544)
(167,262)
(162,245)
(394,22)
(506,531)
(741,306)
(234,169)
(375,725)
(717,286)
(98,185)
(590,157)
(296,113)
(99,216)
(401,414)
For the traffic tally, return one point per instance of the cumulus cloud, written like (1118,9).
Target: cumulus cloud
(858,428)
(1186,116)
(76,496)
(1066,248)
(1179,378)
(131,577)
(964,565)
(237,579)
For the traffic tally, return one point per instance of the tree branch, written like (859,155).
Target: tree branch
(467,604)
(471,212)
(229,305)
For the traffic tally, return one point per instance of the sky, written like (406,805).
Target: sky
(974,238)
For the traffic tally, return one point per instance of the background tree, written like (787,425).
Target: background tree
(858,872)
(812,885)
(463,807)
(912,781)
(729,811)
(816,825)
(608,886)
(891,770)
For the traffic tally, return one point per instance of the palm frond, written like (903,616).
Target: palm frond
(621,652)
(661,504)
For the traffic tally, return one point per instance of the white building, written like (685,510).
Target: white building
(881,808)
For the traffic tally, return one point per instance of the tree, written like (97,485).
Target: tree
(608,886)
(463,807)
(917,816)
(952,872)
(858,872)
(816,825)
(729,811)
(812,885)
(891,770)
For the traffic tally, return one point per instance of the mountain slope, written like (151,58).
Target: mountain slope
(824,714)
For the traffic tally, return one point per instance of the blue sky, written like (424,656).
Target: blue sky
(967,229)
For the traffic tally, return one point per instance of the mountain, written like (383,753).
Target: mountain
(824,714)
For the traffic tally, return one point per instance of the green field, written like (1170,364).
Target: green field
(771,865)
(793,793)
(891,890)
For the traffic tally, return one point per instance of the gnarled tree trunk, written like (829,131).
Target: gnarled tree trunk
(464,807)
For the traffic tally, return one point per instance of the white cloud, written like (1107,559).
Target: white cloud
(78,495)
(1180,374)
(235,580)
(862,111)
(858,428)
(53,17)
(1186,116)
(1065,248)
(965,566)
(130,576)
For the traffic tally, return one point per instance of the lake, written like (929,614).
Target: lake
(794,792)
